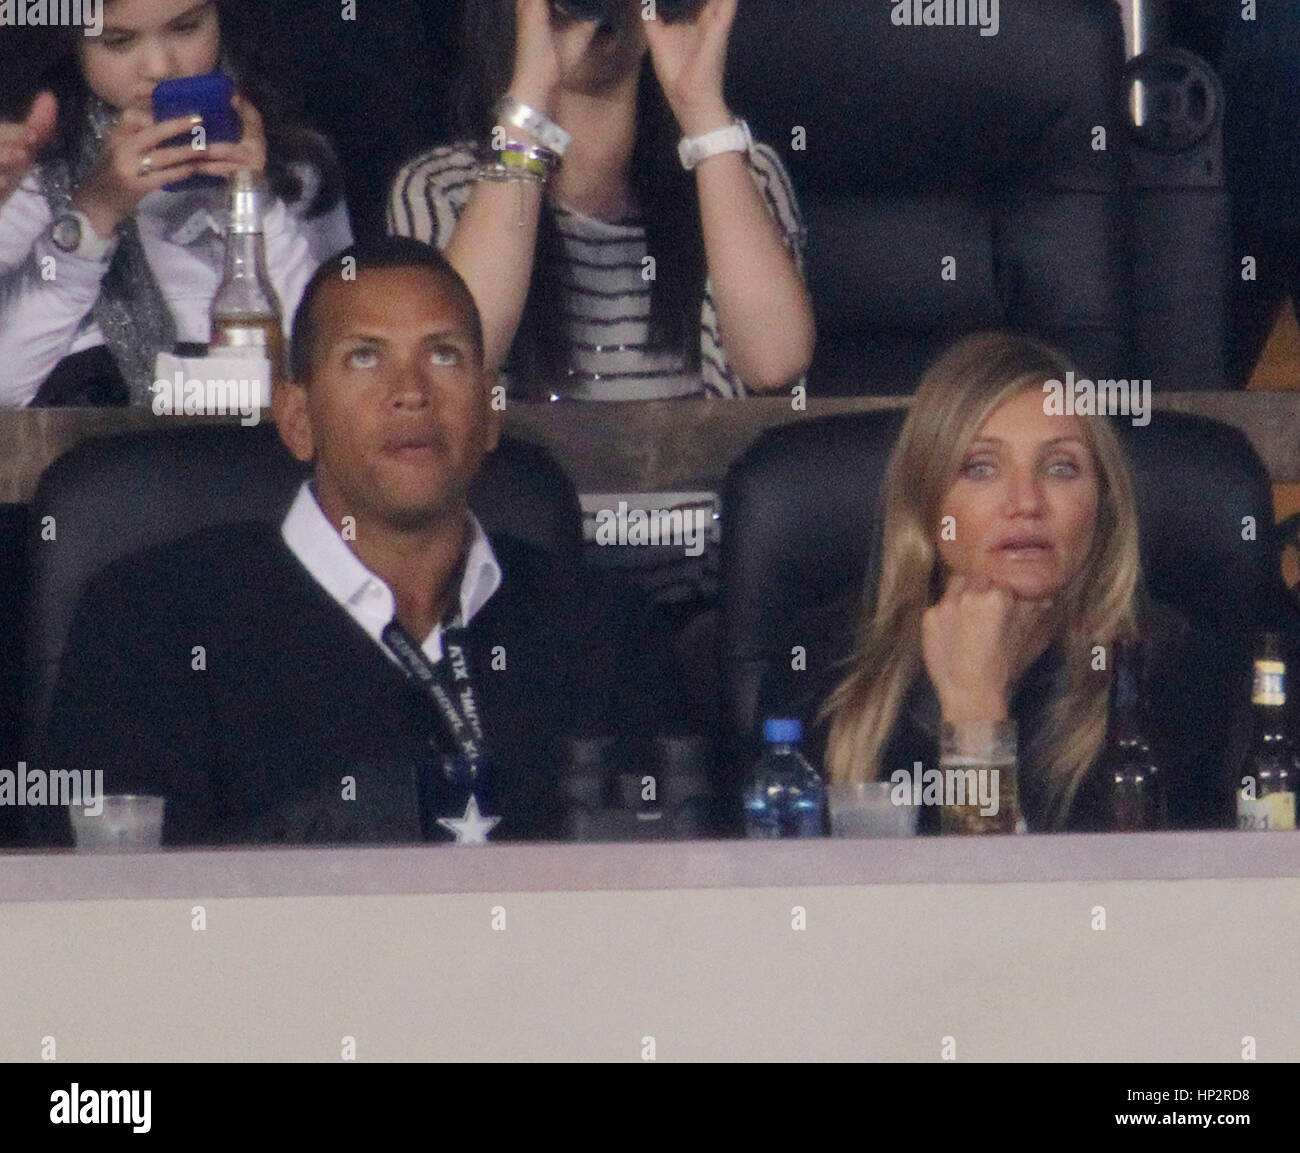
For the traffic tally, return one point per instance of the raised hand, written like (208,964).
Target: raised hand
(20,143)
(690,59)
(546,51)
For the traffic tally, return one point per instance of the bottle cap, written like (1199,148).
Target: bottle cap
(245,211)
(782,731)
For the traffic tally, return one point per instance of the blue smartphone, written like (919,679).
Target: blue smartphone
(210,97)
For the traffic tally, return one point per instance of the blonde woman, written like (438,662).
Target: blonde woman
(1008,561)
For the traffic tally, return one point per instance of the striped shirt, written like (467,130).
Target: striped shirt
(605,280)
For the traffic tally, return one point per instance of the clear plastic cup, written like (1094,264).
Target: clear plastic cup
(866,810)
(127,824)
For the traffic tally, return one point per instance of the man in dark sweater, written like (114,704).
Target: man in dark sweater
(376,670)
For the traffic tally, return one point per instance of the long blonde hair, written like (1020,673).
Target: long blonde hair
(954,398)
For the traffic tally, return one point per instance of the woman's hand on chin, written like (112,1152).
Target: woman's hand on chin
(977,642)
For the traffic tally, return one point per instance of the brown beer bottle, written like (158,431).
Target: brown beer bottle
(1135,794)
(1266,795)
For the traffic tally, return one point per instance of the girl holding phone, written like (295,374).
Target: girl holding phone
(117,269)
(622,234)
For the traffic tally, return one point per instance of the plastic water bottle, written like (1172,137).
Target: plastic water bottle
(785,797)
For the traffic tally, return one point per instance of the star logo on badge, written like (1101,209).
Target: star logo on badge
(473,827)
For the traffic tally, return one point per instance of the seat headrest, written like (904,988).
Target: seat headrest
(887,108)
(800,518)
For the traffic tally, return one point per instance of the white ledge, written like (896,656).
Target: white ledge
(301,872)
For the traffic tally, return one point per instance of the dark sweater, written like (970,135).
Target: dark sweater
(1197,714)
(294,696)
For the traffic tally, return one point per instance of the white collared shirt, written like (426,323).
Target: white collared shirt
(364,596)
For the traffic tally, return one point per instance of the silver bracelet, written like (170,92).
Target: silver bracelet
(547,132)
(977,743)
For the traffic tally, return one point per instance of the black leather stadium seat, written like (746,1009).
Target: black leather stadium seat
(929,142)
(923,143)
(117,495)
(799,518)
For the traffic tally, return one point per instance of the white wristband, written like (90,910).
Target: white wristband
(733,138)
(547,133)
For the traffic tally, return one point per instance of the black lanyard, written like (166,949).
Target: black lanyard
(456,702)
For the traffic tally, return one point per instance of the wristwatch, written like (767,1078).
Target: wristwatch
(733,138)
(74,234)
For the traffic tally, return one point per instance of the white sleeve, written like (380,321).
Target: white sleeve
(289,258)
(45,300)
(23,217)
(328,233)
